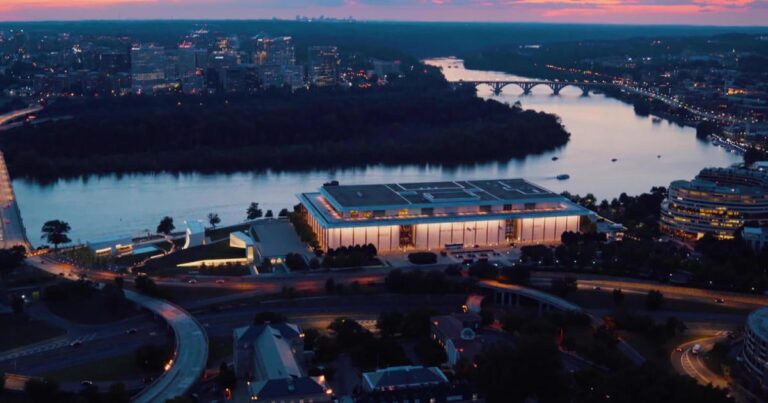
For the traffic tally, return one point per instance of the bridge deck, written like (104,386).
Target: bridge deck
(12,232)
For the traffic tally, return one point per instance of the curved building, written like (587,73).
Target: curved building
(719,201)
(754,354)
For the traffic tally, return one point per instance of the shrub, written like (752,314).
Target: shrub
(422,258)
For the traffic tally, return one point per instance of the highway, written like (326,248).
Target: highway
(191,353)
(7,117)
(590,281)
(688,363)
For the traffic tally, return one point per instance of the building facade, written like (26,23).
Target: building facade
(754,353)
(719,201)
(440,215)
(278,51)
(148,68)
(323,66)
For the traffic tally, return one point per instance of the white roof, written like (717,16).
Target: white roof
(276,356)
(194,226)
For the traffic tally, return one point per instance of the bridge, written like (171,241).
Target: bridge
(12,232)
(527,85)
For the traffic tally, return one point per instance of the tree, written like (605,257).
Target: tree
(430,352)
(253,212)
(389,323)
(41,391)
(17,305)
(654,300)
(10,259)
(283,213)
(213,219)
(269,214)
(166,226)
(295,261)
(226,377)
(509,374)
(618,296)
(146,285)
(117,393)
(269,317)
(55,232)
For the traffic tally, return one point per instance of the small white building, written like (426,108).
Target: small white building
(195,234)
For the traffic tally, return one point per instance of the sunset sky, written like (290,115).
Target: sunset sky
(699,12)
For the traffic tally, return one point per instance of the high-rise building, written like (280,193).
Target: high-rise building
(273,51)
(148,68)
(719,201)
(323,65)
(189,67)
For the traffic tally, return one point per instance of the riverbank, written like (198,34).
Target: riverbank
(526,70)
(419,118)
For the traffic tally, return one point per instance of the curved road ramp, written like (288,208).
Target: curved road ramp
(190,357)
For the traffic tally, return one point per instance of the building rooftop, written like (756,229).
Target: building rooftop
(403,377)
(403,195)
(285,388)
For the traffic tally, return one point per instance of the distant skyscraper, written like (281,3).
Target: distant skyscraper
(148,68)
(190,67)
(273,51)
(323,63)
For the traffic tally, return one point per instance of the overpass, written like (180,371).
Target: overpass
(12,232)
(528,85)
(512,294)
(7,117)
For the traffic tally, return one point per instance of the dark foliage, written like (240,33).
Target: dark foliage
(421,119)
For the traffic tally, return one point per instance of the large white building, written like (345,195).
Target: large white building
(439,215)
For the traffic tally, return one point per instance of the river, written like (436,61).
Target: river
(647,154)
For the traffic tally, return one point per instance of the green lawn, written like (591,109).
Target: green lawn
(21,331)
(223,232)
(217,250)
(108,369)
(93,309)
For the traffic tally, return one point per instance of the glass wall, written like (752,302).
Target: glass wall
(437,235)
(546,230)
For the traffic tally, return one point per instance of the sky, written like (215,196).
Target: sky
(694,12)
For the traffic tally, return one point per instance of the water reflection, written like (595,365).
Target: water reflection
(647,154)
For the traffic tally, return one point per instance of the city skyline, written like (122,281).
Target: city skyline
(685,12)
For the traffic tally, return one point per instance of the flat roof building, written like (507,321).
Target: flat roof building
(435,215)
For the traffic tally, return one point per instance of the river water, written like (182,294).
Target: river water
(601,129)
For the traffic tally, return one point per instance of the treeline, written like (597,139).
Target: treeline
(418,119)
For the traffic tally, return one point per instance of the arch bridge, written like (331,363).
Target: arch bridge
(555,85)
